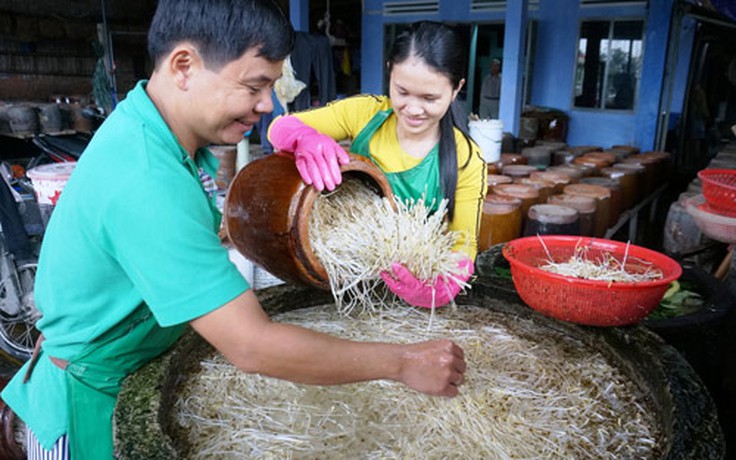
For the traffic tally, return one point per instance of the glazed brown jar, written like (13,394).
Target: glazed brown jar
(500,221)
(651,171)
(627,179)
(492,168)
(267,212)
(616,195)
(551,219)
(528,195)
(585,206)
(538,155)
(639,173)
(562,157)
(602,196)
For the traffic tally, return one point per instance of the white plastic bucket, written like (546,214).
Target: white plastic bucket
(49,181)
(488,135)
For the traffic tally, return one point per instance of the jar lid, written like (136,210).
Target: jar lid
(593,191)
(610,157)
(640,159)
(500,204)
(496,179)
(583,204)
(568,170)
(536,183)
(616,173)
(582,149)
(596,163)
(551,176)
(518,170)
(602,181)
(517,190)
(626,148)
(553,214)
(637,168)
(585,169)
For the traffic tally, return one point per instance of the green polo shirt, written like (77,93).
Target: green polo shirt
(133,228)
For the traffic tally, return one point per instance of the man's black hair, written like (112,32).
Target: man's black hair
(222,30)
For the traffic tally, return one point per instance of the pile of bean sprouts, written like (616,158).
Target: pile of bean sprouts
(604,267)
(356,234)
(530,392)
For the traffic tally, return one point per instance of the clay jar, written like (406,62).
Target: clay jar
(551,219)
(651,171)
(500,221)
(267,210)
(627,180)
(616,195)
(538,155)
(528,195)
(562,157)
(602,198)
(585,206)
(639,173)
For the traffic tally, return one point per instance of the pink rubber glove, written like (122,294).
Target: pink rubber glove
(421,294)
(318,157)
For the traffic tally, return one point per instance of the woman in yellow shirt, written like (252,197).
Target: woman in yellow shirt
(415,137)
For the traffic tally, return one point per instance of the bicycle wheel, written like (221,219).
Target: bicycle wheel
(18,332)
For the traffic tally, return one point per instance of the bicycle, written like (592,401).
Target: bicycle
(18,313)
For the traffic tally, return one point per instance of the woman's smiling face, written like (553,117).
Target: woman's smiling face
(420,96)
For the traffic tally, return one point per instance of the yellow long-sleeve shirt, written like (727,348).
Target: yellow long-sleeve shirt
(344,119)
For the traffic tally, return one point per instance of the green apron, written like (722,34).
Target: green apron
(421,181)
(95,376)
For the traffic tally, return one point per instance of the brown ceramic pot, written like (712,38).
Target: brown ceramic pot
(267,211)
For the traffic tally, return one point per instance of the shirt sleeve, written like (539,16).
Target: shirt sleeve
(344,118)
(469,195)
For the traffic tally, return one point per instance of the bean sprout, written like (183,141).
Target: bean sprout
(530,393)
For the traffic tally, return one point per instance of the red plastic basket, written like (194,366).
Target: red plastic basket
(719,189)
(582,301)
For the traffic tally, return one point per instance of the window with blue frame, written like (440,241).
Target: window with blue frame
(608,66)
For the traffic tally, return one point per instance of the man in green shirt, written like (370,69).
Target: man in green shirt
(131,254)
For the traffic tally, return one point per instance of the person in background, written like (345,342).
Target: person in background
(414,136)
(132,256)
(490,92)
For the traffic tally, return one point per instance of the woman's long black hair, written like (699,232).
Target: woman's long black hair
(442,49)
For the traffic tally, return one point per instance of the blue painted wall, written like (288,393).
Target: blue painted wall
(558,23)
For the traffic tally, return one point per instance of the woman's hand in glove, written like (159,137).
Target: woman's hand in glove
(423,294)
(318,157)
